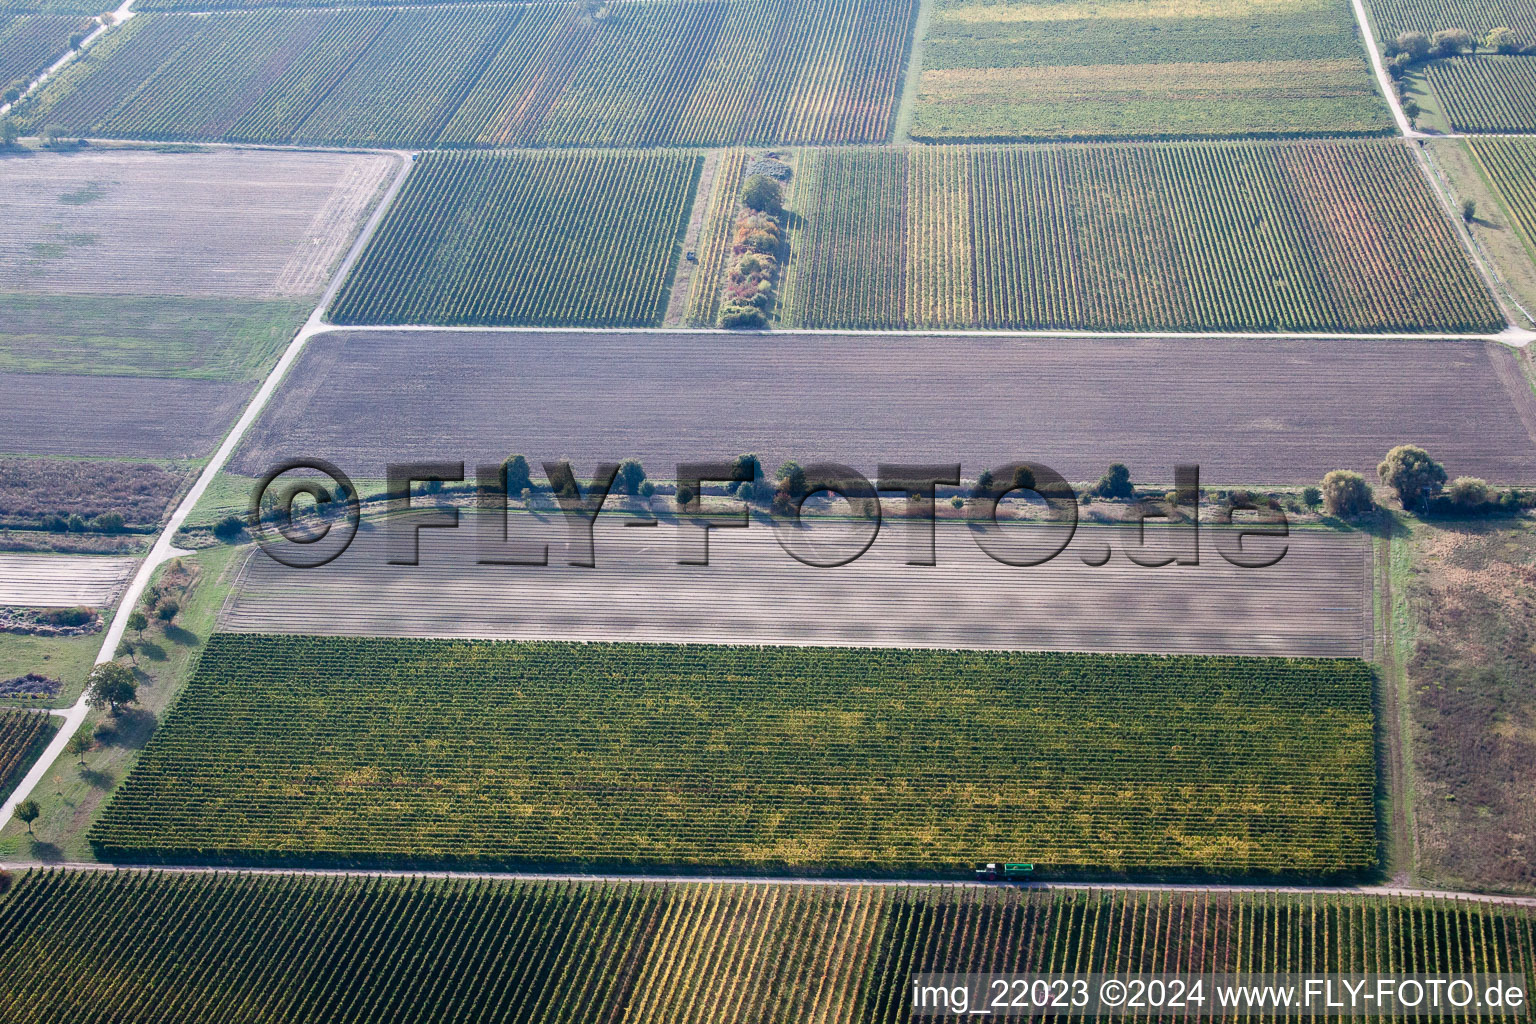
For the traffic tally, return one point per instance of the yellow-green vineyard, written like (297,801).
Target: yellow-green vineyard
(692,757)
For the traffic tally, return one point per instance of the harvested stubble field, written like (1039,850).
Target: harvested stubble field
(1471,595)
(34,490)
(1315,602)
(114,417)
(562,238)
(126,944)
(1486,94)
(23,735)
(62,581)
(631,74)
(31,42)
(225,223)
(1199,236)
(316,749)
(1118,68)
(1249,411)
(1394,17)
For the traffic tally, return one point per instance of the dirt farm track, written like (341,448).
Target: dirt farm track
(1248,411)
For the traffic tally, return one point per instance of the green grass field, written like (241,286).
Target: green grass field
(127,945)
(149,336)
(806,759)
(1043,70)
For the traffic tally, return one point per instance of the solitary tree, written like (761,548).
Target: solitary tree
(111,686)
(167,611)
(1469,210)
(9,133)
(26,812)
(1345,493)
(1115,483)
(763,194)
(1410,471)
(138,622)
(518,479)
(79,744)
(630,476)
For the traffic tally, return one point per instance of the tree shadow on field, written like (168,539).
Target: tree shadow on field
(152,650)
(98,779)
(45,851)
(131,729)
(181,637)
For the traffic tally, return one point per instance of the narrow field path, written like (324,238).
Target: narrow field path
(786,880)
(163,550)
(683,273)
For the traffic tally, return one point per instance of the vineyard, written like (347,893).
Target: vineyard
(1486,94)
(23,735)
(573,238)
(1244,236)
(687,72)
(1394,17)
(220,947)
(762,758)
(1510,164)
(28,44)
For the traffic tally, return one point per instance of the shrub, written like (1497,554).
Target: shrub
(1468,492)
(1346,494)
(1311,495)
(78,616)
(108,522)
(1410,472)
(740,315)
(1501,40)
(1449,42)
(228,529)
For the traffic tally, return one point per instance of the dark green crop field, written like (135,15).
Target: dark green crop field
(563,238)
(763,758)
(145,946)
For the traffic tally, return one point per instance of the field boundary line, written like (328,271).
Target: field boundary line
(1411,892)
(1514,336)
(163,550)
